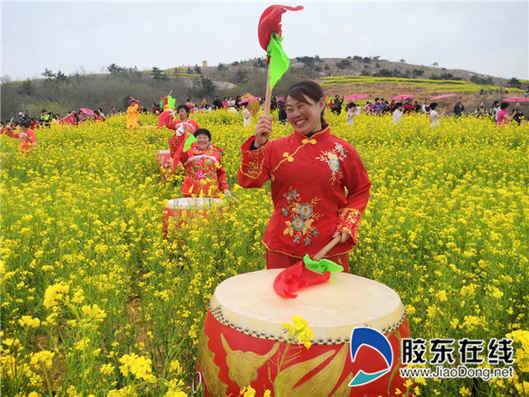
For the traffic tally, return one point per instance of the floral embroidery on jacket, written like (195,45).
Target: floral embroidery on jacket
(301,216)
(333,158)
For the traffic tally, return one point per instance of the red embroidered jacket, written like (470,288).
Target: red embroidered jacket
(204,174)
(319,185)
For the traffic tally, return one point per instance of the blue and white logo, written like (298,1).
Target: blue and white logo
(364,336)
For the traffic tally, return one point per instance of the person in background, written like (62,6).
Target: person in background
(493,111)
(459,108)
(397,113)
(408,107)
(26,136)
(182,127)
(156,109)
(504,117)
(133,112)
(246,116)
(435,117)
(480,110)
(351,113)
(518,116)
(281,113)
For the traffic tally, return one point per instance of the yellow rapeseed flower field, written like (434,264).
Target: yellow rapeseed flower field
(96,302)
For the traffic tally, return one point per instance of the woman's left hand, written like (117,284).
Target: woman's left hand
(343,236)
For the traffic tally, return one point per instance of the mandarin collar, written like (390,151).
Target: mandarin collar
(318,135)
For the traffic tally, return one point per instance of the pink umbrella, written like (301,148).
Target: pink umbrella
(87,111)
(254,98)
(357,97)
(443,96)
(403,96)
(516,99)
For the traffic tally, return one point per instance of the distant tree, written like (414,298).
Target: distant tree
(366,60)
(343,64)
(365,72)
(402,61)
(260,63)
(48,74)
(307,61)
(221,67)
(60,76)
(115,69)
(481,80)
(241,76)
(418,72)
(317,58)
(203,87)
(189,70)
(514,82)
(357,58)
(26,88)
(435,64)
(376,58)
(235,63)
(157,74)
(198,70)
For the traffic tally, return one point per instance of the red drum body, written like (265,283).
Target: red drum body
(165,162)
(243,343)
(181,210)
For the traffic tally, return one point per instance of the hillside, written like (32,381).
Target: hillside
(60,93)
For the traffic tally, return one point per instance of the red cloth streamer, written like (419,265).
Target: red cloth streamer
(297,277)
(270,22)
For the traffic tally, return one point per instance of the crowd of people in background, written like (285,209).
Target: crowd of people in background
(499,112)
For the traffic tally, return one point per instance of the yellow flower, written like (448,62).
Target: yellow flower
(248,391)
(44,357)
(464,391)
(54,294)
(138,366)
(28,321)
(300,330)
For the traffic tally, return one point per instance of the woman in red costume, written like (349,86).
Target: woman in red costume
(181,127)
(319,184)
(204,175)
(25,136)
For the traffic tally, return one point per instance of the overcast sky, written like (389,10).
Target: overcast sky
(487,36)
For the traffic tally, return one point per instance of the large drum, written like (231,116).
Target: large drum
(180,210)
(243,339)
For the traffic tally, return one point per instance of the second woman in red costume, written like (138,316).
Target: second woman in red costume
(204,174)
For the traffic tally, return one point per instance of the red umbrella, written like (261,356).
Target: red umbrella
(403,96)
(87,111)
(357,97)
(516,99)
(443,96)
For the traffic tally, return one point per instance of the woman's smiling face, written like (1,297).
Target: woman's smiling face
(304,116)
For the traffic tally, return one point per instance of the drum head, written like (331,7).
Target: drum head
(193,203)
(249,303)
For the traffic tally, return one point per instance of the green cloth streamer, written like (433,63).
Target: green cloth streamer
(321,266)
(279,62)
(171,102)
(189,141)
